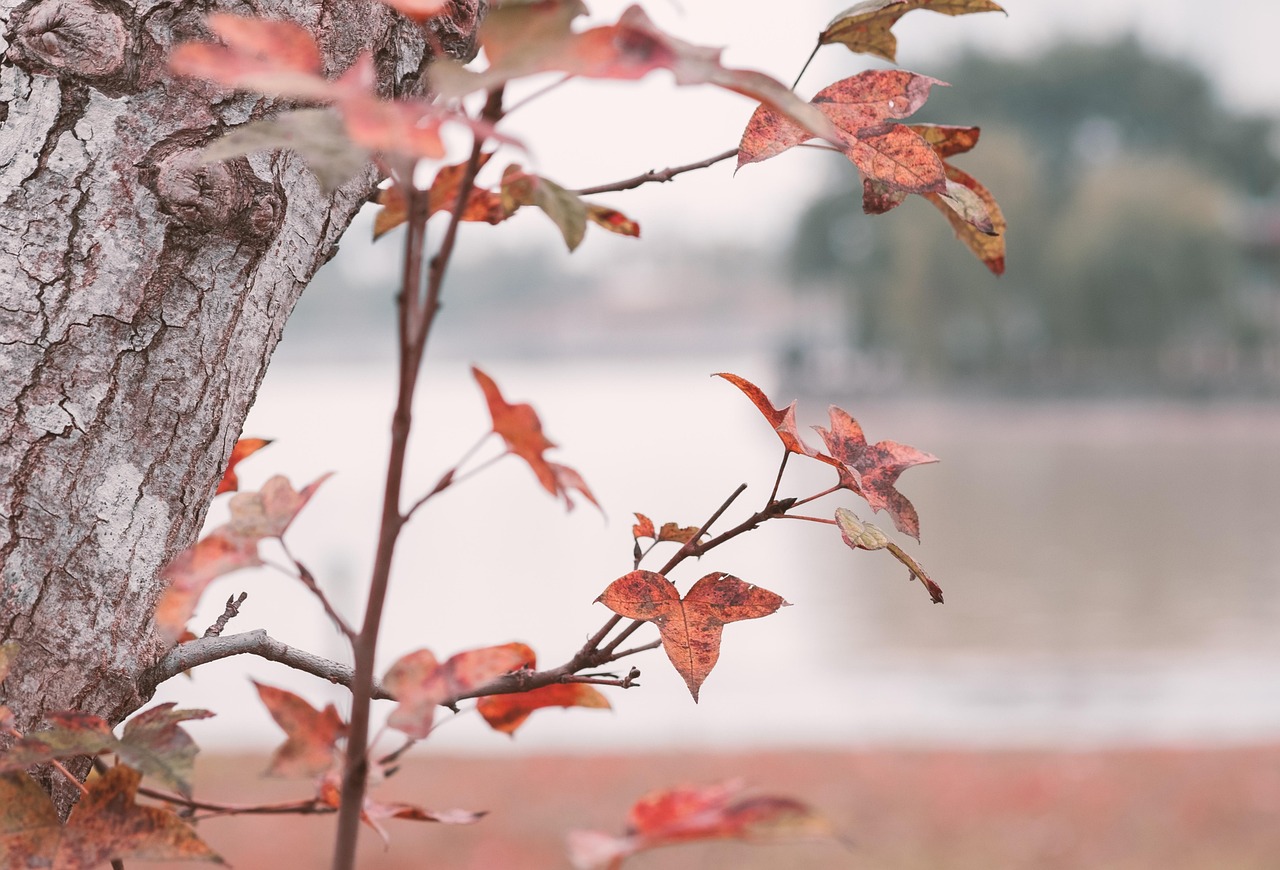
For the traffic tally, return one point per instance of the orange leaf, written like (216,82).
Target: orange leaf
(521,429)
(153,742)
(244,447)
(967,205)
(329,793)
(688,814)
(106,825)
(420,684)
(613,221)
(643,528)
(865,27)
(877,467)
(506,713)
(783,421)
(668,532)
(254,515)
(690,627)
(311,733)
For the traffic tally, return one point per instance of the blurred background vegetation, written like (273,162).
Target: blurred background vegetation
(1142,243)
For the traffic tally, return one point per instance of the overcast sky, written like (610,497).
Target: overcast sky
(589,133)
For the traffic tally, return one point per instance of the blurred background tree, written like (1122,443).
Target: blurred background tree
(1142,254)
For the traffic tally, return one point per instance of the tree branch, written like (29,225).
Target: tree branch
(656,175)
(204,650)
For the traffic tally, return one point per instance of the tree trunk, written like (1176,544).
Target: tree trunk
(141,296)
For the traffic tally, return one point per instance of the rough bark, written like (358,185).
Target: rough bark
(141,297)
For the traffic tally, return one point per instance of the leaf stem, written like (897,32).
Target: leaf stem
(805,68)
(777,481)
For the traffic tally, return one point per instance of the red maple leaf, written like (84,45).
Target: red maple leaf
(311,733)
(877,467)
(267,513)
(690,626)
(862,107)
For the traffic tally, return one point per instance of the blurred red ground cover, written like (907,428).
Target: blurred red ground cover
(1172,809)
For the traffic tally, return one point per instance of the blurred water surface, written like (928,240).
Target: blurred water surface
(1110,568)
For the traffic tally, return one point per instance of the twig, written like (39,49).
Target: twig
(524,101)
(679,556)
(777,481)
(53,762)
(308,580)
(452,477)
(808,60)
(231,611)
(692,544)
(660,175)
(626,682)
(204,650)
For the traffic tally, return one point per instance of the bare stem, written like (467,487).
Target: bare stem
(659,175)
(228,613)
(808,60)
(777,481)
(308,580)
(416,315)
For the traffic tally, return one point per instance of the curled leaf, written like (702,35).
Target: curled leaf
(857,534)
(865,27)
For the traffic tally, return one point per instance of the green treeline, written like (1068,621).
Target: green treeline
(1144,241)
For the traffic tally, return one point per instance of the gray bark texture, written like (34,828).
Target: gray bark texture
(141,296)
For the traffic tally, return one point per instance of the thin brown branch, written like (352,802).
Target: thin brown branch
(302,807)
(231,611)
(614,656)
(660,175)
(808,60)
(627,682)
(452,477)
(692,544)
(308,580)
(935,591)
(777,481)
(417,315)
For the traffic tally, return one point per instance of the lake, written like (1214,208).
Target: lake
(1112,570)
